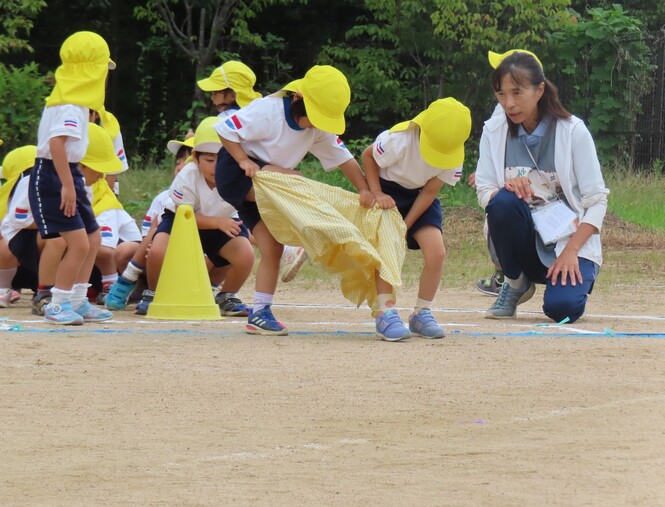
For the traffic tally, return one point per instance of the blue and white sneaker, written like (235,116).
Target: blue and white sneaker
(143,305)
(92,313)
(230,305)
(119,293)
(62,313)
(389,327)
(264,322)
(505,306)
(423,324)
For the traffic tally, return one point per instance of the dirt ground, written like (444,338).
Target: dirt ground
(146,412)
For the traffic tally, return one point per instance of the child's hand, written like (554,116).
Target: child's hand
(68,200)
(250,168)
(367,198)
(230,227)
(384,200)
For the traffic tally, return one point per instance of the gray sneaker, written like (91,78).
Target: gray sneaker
(505,306)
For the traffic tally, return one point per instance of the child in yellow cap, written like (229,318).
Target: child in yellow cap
(406,167)
(22,251)
(275,133)
(57,189)
(224,238)
(232,87)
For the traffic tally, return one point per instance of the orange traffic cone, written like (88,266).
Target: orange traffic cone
(183,291)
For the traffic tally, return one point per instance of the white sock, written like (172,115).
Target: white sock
(261,300)
(109,279)
(6,277)
(385,301)
(520,283)
(132,271)
(59,296)
(422,304)
(80,295)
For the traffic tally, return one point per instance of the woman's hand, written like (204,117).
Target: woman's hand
(567,266)
(521,187)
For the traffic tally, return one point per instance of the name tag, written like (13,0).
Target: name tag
(554,221)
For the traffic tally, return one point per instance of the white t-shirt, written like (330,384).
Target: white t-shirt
(154,212)
(19,214)
(263,131)
(64,120)
(398,157)
(190,187)
(120,151)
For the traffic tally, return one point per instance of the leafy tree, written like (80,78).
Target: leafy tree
(16,21)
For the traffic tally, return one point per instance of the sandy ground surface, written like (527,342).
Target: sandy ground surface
(145,412)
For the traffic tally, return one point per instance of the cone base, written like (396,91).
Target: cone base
(183,312)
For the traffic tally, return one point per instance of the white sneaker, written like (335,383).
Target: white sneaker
(5,297)
(293,259)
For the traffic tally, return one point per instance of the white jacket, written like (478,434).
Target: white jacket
(576,165)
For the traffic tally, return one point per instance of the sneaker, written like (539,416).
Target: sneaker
(230,305)
(63,314)
(5,297)
(146,298)
(92,313)
(119,293)
(264,322)
(101,297)
(39,301)
(423,324)
(491,286)
(505,306)
(16,296)
(293,259)
(390,327)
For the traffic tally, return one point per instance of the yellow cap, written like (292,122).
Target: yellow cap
(1,142)
(100,155)
(235,75)
(17,161)
(109,122)
(174,145)
(86,47)
(206,139)
(326,93)
(496,59)
(444,127)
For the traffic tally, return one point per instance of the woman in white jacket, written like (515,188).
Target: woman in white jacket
(538,158)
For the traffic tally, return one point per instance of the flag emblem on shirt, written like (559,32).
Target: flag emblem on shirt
(107,231)
(458,174)
(71,123)
(21,214)
(121,155)
(177,194)
(147,221)
(379,148)
(340,142)
(233,123)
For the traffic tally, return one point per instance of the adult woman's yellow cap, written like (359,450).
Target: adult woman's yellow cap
(206,139)
(17,161)
(444,127)
(100,155)
(174,145)
(235,75)
(496,58)
(326,93)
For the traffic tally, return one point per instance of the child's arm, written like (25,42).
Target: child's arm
(352,171)
(227,225)
(425,198)
(372,176)
(68,192)
(239,155)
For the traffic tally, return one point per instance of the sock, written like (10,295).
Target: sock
(6,277)
(108,280)
(80,295)
(422,304)
(385,302)
(132,271)
(261,300)
(61,296)
(518,284)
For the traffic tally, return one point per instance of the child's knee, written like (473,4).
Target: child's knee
(558,308)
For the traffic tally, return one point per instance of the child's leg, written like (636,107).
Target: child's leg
(389,326)
(105,261)
(8,267)
(155,258)
(124,252)
(69,269)
(240,254)
(51,252)
(79,299)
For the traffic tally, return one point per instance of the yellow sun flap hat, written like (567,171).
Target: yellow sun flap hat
(496,59)
(206,139)
(81,79)
(444,127)
(100,155)
(326,93)
(15,162)
(174,145)
(109,122)
(235,75)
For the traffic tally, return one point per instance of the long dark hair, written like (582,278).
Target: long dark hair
(525,70)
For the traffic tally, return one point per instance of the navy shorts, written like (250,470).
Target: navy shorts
(45,198)
(233,185)
(24,247)
(404,199)
(212,240)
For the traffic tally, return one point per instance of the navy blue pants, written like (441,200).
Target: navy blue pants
(514,237)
